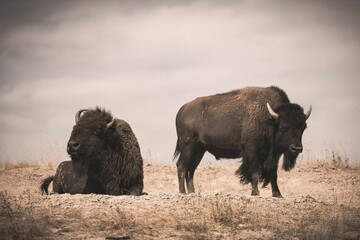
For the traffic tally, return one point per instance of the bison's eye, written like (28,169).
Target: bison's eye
(97,132)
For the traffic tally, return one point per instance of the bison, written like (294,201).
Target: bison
(66,180)
(256,124)
(105,156)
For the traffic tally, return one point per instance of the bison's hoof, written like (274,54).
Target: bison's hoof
(278,195)
(191,191)
(255,193)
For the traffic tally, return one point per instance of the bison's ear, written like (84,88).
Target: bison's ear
(273,114)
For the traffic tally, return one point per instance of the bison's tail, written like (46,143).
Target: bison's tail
(177,150)
(45,184)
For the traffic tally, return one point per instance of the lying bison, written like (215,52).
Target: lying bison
(105,156)
(255,124)
(66,180)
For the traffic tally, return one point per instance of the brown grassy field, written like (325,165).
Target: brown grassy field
(321,201)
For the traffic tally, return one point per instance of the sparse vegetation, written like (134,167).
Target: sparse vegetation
(225,212)
(333,155)
(8,165)
(21,222)
(336,161)
(221,209)
(123,221)
(25,164)
(336,223)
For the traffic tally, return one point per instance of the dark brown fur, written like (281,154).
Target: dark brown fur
(110,155)
(108,159)
(238,124)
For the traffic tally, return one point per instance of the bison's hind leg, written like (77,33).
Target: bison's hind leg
(198,155)
(181,171)
(190,157)
(183,163)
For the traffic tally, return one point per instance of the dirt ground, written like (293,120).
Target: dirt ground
(320,202)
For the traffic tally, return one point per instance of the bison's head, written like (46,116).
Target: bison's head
(90,136)
(290,123)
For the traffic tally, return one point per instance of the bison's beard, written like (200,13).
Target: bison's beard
(289,161)
(79,167)
(85,159)
(79,162)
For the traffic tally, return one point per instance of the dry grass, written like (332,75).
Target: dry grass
(193,229)
(25,164)
(8,165)
(124,221)
(227,213)
(19,222)
(331,224)
(30,222)
(195,224)
(203,215)
(336,163)
(318,222)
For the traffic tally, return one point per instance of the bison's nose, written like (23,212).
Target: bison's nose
(296,148)
(73,146)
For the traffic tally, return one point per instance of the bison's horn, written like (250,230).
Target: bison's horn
(272,112)
(308,112)
(77,115)
(110,123)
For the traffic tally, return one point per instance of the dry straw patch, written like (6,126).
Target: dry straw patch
(306,212)
(334,223)
(19,222)
(123,221)
(26,164)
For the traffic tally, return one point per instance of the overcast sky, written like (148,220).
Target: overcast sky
(143,60)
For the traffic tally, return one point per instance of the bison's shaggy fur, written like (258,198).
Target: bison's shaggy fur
(108,151)
(129,167)
(105,151)
(254,123)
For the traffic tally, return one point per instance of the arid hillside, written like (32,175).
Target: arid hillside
(320,202)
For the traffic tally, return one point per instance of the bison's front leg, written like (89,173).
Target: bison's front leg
(255,175)
(274,186)
(78,184)
(137,189)
(254,184)
(249,172)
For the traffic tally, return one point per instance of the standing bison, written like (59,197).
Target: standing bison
(254,123)
(105,156)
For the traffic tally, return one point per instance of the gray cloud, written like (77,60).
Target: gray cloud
(143,61)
